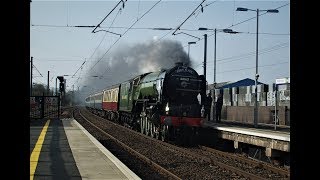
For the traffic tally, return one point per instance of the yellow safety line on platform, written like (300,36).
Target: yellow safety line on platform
(36,151)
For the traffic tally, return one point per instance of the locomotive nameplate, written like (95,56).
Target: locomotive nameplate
(184,70)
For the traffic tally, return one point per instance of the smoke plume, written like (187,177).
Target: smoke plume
(126,62)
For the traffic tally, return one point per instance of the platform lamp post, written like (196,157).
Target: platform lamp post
(230,31)
(255,120)
(215,44)
(205,59)
(189,48)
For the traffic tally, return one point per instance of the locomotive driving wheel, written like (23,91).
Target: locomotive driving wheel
(147,126)
(151,128)
(164,132)
(156,132)
(142,125)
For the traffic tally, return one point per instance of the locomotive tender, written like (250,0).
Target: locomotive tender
(162,104)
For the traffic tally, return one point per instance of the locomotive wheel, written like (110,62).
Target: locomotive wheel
(141,125)
(164,132)
(156,129)
(145,126)
(152,130)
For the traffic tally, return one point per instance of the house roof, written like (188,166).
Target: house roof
(243,82)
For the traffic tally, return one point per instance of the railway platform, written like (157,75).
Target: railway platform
(274,141)
(63,149)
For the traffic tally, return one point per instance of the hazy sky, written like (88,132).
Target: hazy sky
(60,48)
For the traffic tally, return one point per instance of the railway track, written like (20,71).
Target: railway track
(186,163)
(254,163)
(151,163)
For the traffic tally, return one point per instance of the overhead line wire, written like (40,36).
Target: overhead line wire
(238,57)
(105,34)
(127,31)
(255,67)
(255,16)
(178,28)
(163,29)
(79,68)
(241,56)
(241,22)
(37,70)
(108,15)
(99,43)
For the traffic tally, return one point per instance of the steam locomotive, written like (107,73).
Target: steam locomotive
(163,104)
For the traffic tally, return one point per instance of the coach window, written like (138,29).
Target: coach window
(104,96)
(116,93)
(109,96)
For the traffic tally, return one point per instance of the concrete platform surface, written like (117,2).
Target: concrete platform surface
(93,160)
(265,133)
(63,149)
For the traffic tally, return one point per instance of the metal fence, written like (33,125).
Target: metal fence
(44,107)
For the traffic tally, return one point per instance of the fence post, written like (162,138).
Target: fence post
(42,106)
(58,107)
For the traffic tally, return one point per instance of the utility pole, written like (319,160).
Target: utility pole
(78,92)
(255,118)
(205,58)
(72,95)
(48,89)
(56,87)
(214,75)
(31,75)
(215,57)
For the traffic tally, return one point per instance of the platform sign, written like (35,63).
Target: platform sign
(283,81)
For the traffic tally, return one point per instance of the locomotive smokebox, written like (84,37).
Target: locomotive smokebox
(179,63)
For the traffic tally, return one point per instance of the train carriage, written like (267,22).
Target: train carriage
(110,101)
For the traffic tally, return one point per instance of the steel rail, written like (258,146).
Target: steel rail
(248,161)
(197,157)
(135,153)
